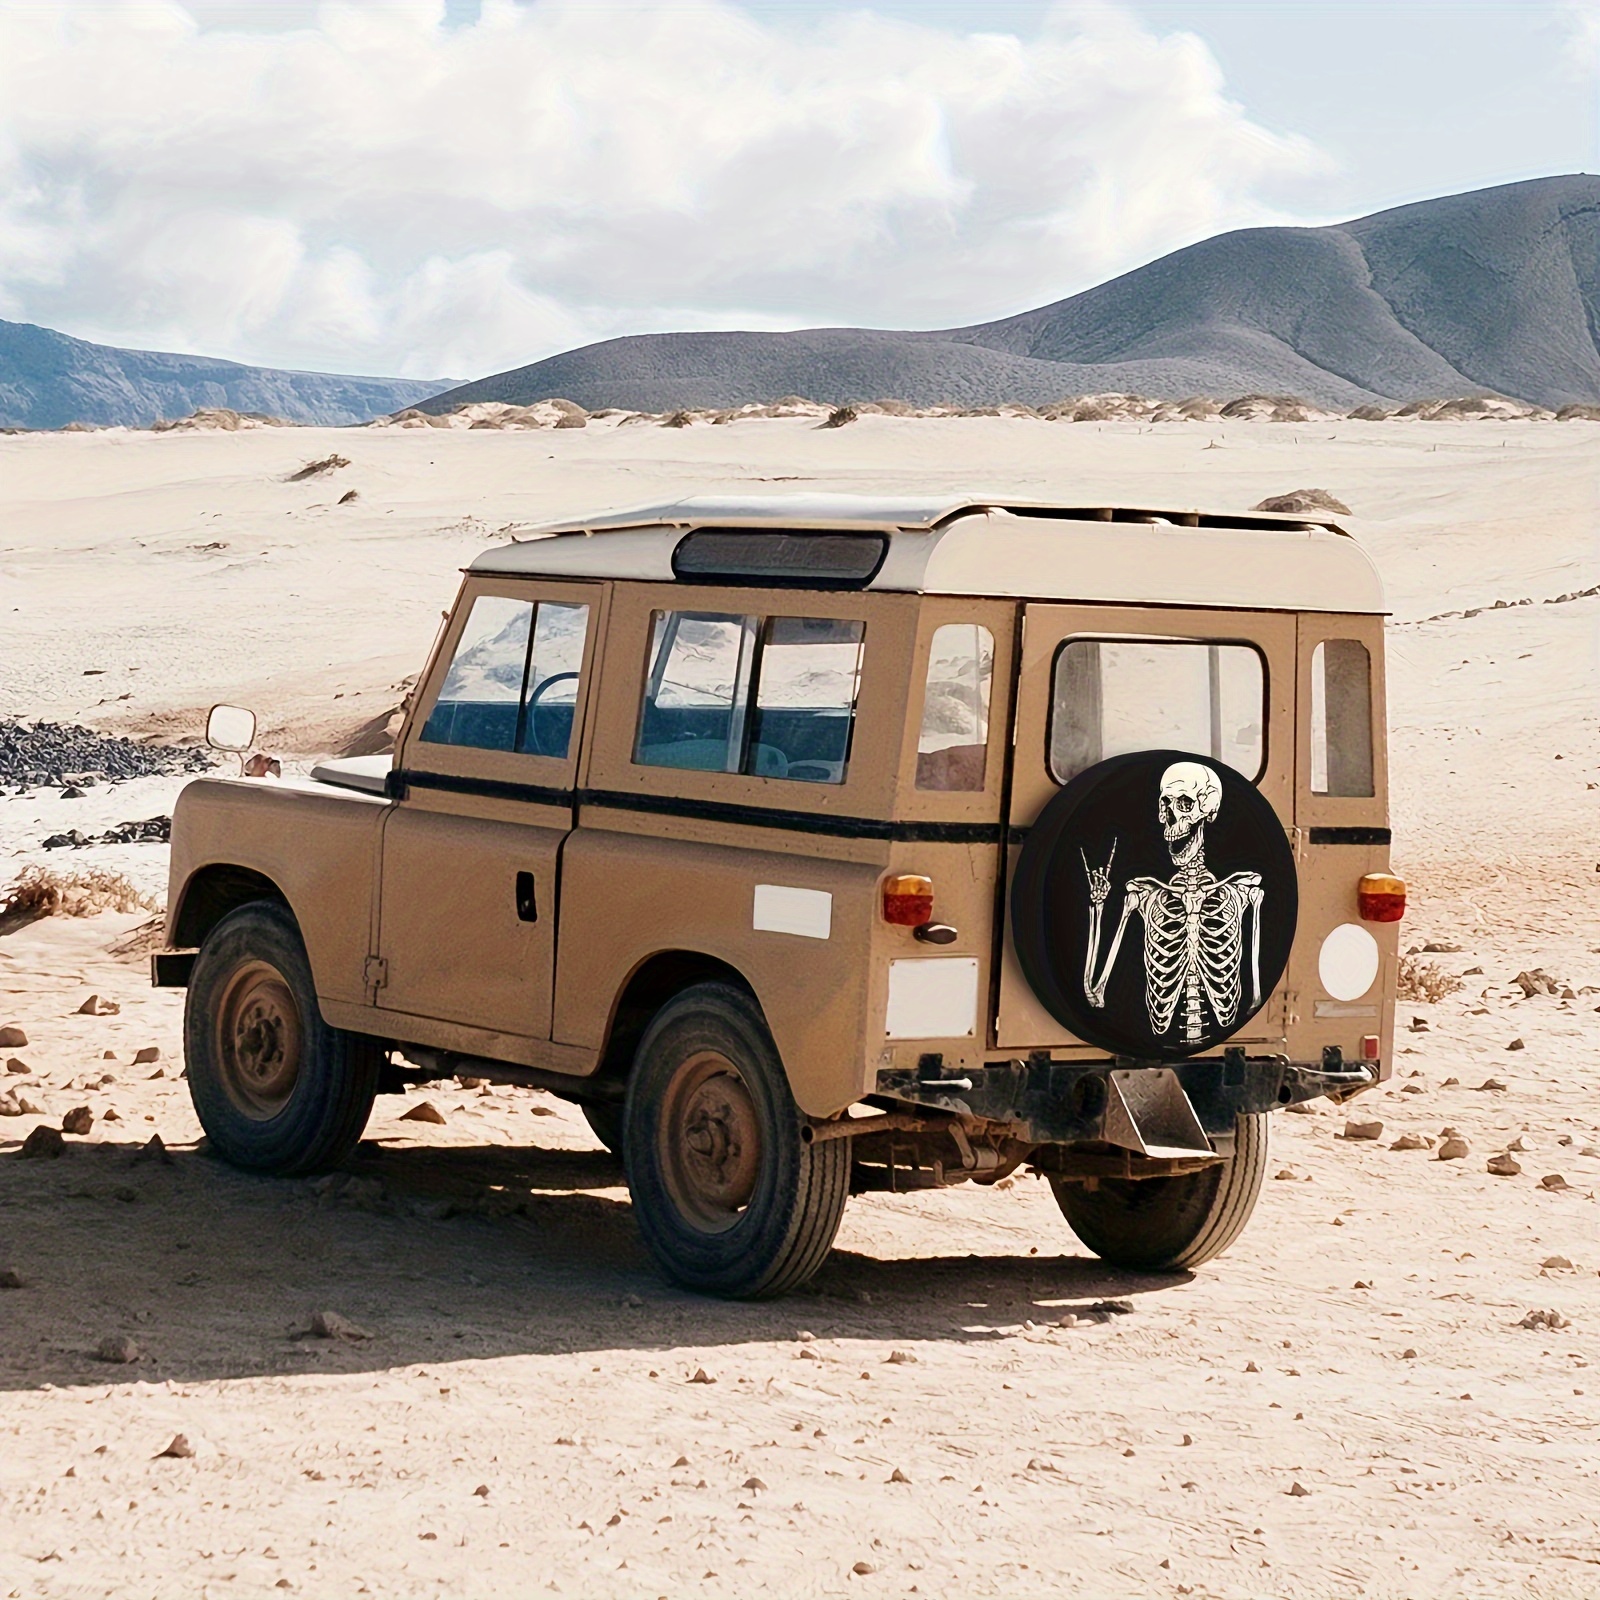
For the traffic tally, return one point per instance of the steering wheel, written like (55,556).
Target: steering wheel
(531,728)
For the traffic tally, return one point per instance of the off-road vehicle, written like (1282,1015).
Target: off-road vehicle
(822,844)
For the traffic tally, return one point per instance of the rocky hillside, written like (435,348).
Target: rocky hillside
(48,380)
(1497,290)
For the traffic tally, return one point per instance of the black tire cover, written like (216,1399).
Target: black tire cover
(1207,916)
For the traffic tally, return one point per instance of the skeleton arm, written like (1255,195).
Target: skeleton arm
(1095,990)
(1254,896)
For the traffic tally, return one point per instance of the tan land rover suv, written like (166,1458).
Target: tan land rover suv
(821,844)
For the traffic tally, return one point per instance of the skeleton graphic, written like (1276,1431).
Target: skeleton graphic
(1194,924)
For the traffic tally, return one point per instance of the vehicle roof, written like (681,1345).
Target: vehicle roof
(999,546)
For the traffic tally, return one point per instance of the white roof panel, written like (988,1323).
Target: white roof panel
(979,546)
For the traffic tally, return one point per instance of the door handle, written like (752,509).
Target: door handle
(527,905)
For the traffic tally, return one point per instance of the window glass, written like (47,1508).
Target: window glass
(1341,718)
(955,708)
(697,691)
(482,693)
(554,668)
(1112,696)
(809,670)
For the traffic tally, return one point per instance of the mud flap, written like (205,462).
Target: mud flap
(1148,1112)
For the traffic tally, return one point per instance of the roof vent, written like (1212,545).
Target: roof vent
(780,560)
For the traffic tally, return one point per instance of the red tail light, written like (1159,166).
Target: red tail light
(1382,898)
(908,900)
(1369,1047)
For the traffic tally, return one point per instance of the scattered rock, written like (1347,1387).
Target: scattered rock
(1553,1180)
(1355,1129)
(1408,1354)
(702,1376)
(13,1038)
(1556,1264)
(899,1358)
(897,1476)
(1545,1319)
(119,1350)
(1516,1044)
(43,1144)
(1440,948)
(1297,1489)
(1505,1166)
(10,1106)
(1453,1147)
(426,1111)
(79,1120)
(179,1450)
(753,1483)
(1420,1025)
(330,1325)
(1285,1174)
(482,1491)
(95,1006)
(1300,501)
(1521,1144)
(14,1065)
(1450,1083)
(1536,982)
(153,1150)
(863,1569)
(1490,1086)
(1409,1141)
(1111,1308)
(10,1278)
(146,1054)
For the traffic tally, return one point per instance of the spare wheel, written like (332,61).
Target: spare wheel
(1154,904)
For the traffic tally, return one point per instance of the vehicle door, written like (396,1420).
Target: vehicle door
(1100,681)
(486,773)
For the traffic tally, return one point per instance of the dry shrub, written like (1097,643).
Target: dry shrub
(47,892)
(315,469)
(1424,980)
(839,417)
(679,419)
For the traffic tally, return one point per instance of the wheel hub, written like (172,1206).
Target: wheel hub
(713,1141)
(259,1039)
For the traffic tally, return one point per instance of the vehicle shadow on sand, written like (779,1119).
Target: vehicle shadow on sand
(438,1254)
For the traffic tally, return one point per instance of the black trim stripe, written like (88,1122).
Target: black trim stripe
(747,816)
(1350,836)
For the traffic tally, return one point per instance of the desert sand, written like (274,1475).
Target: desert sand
(1355,1401)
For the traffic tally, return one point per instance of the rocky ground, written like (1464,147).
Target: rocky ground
(452,1370)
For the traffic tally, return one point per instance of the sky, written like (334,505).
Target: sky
(444,188)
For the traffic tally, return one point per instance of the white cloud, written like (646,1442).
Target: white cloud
(366,188)
(1583,39)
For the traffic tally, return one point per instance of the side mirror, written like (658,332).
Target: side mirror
(231,728)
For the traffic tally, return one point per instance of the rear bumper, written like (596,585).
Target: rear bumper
(1059,1102)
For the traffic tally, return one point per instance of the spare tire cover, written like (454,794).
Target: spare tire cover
(1154,904)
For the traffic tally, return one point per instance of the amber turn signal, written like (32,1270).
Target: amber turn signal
(1382,898)
(908,900)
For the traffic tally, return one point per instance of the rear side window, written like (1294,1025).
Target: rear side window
(513,681)
(954,738)
(1112,696)
(771,698)
(1341,718)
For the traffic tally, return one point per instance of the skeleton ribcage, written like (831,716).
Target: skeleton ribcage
(1193,943)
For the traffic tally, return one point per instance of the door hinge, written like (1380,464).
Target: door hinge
(376,972)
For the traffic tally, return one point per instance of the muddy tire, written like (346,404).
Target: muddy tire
(728,1198)
(1166,1224)
(276,1089)
(605,1122)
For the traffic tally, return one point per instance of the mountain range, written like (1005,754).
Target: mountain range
(49,379)
(1496,290)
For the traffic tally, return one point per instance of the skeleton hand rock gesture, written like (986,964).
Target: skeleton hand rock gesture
(1099,877)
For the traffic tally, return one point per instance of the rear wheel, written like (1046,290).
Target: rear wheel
(1155,1224)
(729,1199)
(276,1089)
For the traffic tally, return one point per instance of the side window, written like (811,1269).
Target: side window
(555,666)
(1112,696)
(479,702)
(1341,718)
(771,699)
(810,670)
(697,691)
(955,709)
(513,681)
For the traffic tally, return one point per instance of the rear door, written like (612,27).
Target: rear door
(1098,681)
(471,854)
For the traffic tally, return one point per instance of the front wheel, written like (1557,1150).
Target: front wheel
(729,1198)
(276,1089)
(1162,1224)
